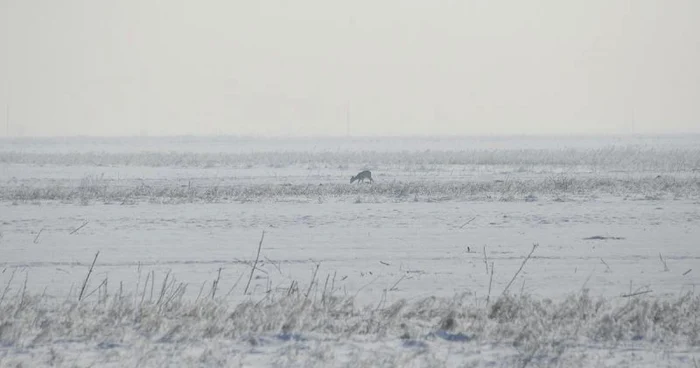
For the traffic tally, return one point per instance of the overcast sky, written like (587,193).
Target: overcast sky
(307,67)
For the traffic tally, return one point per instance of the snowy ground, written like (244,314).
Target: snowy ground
(397,273)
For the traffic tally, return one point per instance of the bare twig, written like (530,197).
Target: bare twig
(106,292)
(138,282)
(687,272)
(291,288)
(607,268)
(104,282)
(234,285)
(534,246)
(259,302)
(325,287)
(313,278)
(363,286)
(200,291)
(486,262)
(24,291)
(145,285)
(81,226)
(381,301)
(179,291)
(397,282)
(7,287)
(664,263)
(467,223)
(333,282)
(215,284)
(164,287)
(488,297)
(277,266)
(257,257)
(583,287)
(260,270)
(82,290)
(153,280)
(36,239)
(635,294)
(631,289)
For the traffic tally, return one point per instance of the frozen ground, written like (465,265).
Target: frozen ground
(396,273)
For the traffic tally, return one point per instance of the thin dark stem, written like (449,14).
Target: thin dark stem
(255,264)
(82,290)
(81,226)
(534,246)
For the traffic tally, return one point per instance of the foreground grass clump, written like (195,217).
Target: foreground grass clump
(521,320)
(293,329)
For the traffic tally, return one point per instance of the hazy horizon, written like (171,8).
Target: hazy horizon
(330,136)
(364,69)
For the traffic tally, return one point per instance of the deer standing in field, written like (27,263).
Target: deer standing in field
(360,177)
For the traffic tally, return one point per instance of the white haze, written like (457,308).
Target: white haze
(310,67)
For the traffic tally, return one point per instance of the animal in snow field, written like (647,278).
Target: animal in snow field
(362,176)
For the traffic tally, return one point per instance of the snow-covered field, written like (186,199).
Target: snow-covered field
(427,266)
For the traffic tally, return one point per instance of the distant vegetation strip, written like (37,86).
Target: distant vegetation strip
(554,187)
(611,158)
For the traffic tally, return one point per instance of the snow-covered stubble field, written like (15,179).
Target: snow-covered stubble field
(463,252)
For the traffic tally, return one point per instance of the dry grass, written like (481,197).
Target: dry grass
(174,191)
(538,329)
